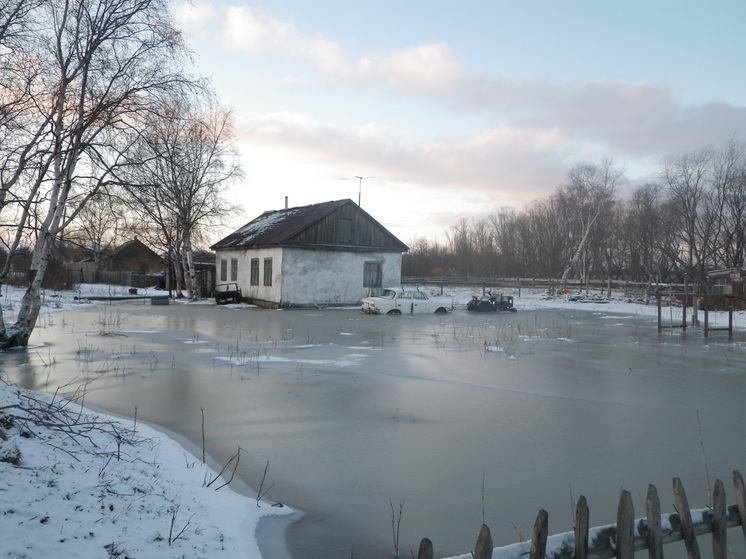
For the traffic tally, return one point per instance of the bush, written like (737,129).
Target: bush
(722,303)
(7,421)
(11,455)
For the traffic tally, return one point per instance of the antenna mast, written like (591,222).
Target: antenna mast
(359,186)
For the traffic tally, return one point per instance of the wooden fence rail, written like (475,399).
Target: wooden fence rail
(629,287)
(628,535)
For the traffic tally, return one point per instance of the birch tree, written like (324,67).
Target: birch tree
(188,162)
(586,197)
(88,71)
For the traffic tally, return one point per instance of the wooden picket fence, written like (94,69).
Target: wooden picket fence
(628,535)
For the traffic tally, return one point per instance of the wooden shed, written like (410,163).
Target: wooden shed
(728,281)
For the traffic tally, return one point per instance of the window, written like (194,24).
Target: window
(373,274)
(223,269)
(254,271)
(721,285)
(234,269)
(267,271)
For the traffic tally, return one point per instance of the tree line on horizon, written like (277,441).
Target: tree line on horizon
(690,219)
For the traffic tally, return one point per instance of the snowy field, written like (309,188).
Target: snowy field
(76,483)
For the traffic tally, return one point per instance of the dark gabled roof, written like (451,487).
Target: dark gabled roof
(278,227)
(134,247)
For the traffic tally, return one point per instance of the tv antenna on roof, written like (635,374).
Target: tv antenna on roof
(359,187)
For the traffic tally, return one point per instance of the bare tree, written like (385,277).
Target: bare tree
(483,246)
(460,245)
(728,209)
(88,71)
(98,225)
(188,162)
(648,234)
(505,234)
(544,237)
(686,179)
(588,195)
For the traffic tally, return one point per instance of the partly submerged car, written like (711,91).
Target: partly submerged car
(397,300)
(491,303)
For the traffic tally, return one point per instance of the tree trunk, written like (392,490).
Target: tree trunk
(579,250)
(19,334)
(188,265)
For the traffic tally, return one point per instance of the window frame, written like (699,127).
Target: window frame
(373,273)
(722,285)
(267,269)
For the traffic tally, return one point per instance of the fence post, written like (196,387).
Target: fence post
(685,515)
(683,306)
(740,498)
(539,536)
(581,528)
(426,549)
(483,549)
(625,527)
(660,314)
(655,536)
(719,523)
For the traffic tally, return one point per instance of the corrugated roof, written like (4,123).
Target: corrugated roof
(277,226)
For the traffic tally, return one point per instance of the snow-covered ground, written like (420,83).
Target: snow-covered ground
(77,483)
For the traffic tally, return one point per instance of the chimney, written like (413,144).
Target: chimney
(286,202)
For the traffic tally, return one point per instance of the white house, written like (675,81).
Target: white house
(332,253)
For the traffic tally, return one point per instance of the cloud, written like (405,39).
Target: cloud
(194,17)
(501,163)
(489,141)
(428,68)
(627,119)
(256,33)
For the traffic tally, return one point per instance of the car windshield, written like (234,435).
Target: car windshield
(388,294)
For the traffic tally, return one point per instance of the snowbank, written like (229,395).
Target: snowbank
(79,484)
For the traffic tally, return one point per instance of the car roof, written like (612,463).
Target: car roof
(399,289)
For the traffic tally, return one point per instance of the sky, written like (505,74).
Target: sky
(453,110)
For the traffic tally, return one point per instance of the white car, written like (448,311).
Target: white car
(397,300)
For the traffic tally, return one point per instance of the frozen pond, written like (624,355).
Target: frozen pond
(457,419)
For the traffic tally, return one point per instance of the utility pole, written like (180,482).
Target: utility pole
(359,186)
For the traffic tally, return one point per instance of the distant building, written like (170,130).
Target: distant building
(728,281)
(134,256)
(132,263)
(332,253)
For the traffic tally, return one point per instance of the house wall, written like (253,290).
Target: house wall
(727,282)
(259,293)
(332,277)
(306,277)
